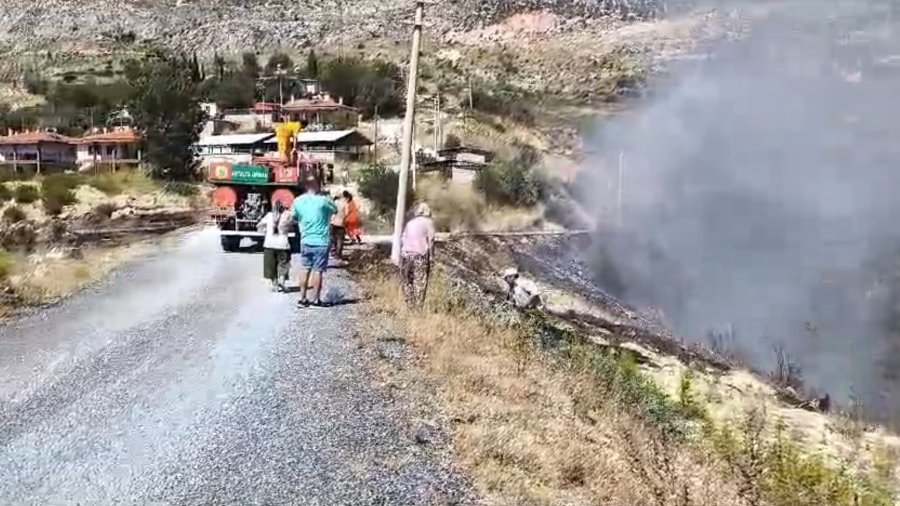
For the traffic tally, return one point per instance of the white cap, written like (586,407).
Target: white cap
(423,210)
(511,271)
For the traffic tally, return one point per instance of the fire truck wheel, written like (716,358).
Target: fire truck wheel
(231,243)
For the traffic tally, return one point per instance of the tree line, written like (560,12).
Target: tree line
(362,84)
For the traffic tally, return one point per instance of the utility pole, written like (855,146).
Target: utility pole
(434,132)
(619,190)
(408,124)
(341,45)
(375,145)
(280,86)
(414,162)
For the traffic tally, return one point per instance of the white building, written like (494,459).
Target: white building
(36,151)
(112,149)
(331,145)
(234,148)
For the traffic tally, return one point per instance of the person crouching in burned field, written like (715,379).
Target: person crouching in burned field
(523,292)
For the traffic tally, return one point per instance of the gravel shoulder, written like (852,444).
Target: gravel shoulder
(182,380)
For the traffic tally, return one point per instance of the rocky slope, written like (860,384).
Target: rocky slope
(235,25)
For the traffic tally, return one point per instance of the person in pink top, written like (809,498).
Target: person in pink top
(417,250)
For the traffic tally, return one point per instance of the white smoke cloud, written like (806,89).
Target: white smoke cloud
(762,183)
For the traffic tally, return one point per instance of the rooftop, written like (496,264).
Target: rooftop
(234,139)
(328,136)
(315,104)
(35,138)
(124,136)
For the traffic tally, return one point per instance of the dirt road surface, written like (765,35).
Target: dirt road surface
(182,380)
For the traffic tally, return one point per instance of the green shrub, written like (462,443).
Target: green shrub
(55,197)
(452,141)
(26,194)
(505,101)
(67,181)
(777,471)
(181,188)
(379,184)
(22,238)
(5,194)
(106,184)
(105,209)
(515,182)
(13,214)
(6,264)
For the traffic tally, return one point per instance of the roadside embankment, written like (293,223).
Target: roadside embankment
(60,233)
(590,402)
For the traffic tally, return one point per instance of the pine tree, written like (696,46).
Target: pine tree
(312,64)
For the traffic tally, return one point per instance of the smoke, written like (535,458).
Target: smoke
(760,193)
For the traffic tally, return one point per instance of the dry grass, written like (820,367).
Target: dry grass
(42,278)
(541,416)
(531,429)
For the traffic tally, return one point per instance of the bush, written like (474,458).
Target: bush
(505,102)
(379,184)
(18,238)
(181,188)
(6,264)
(56,196)
(515,183)
(13,214)
(5,194)
(67,181)
(26,194)
(106,184)
(452,141)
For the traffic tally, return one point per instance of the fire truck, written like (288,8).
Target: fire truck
(245,192)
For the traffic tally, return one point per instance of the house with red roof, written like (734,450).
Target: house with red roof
(113,148)
(321,113)
(37,151)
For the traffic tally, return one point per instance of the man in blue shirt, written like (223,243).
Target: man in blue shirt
(313,214)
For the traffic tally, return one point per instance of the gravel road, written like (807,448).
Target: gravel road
(182,380)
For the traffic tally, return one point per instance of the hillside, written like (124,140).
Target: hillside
(208,25)
(574,49)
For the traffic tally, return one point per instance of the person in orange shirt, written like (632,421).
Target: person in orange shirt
(351,219)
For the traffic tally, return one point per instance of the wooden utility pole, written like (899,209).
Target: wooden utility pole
(620,189)
(434,133)
(414,166)
(440,125)
(375,141)
(408,124)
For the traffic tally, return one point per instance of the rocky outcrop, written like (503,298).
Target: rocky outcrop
(229,26)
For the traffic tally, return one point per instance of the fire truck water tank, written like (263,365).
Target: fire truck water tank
(285,196)
(224,196)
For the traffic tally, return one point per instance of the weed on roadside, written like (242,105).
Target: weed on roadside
(13,214)
(182,189)
(106,183)
(7,262)
(26,194)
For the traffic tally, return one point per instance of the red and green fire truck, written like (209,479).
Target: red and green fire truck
(245,192)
